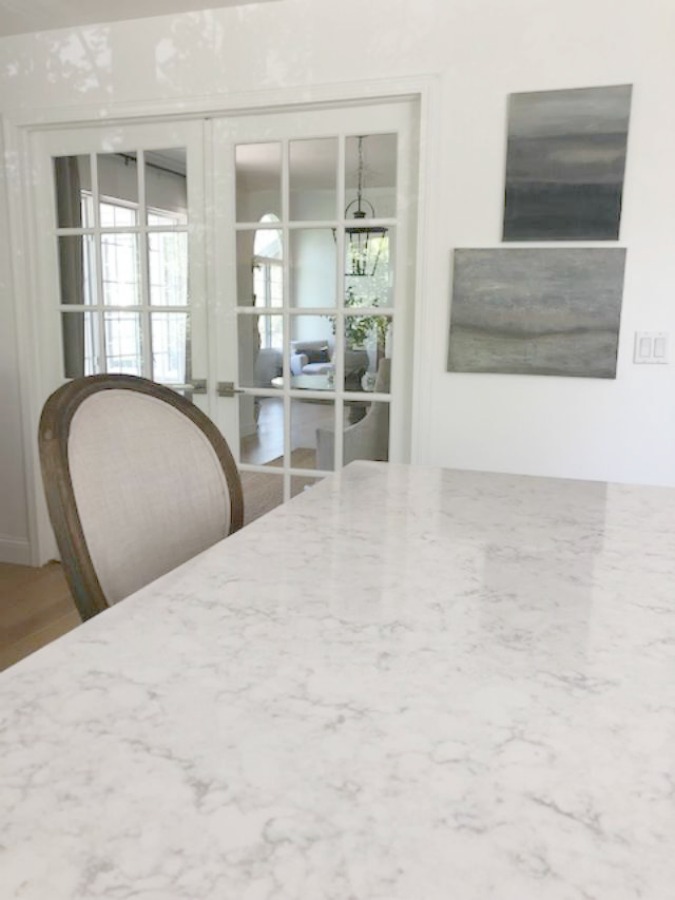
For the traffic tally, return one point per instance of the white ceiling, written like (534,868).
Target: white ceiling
(21,16)
(314,163)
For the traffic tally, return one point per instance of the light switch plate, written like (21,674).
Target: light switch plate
(651,347)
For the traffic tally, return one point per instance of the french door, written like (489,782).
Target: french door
(261,265)
(312,254)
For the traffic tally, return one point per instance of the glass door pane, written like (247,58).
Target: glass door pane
(313,171)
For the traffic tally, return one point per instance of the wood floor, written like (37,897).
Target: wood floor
(35,608)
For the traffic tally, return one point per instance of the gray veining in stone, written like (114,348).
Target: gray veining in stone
(407,684)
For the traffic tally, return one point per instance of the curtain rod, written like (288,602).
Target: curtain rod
(127,157)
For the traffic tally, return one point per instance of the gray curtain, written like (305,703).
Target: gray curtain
(71,262)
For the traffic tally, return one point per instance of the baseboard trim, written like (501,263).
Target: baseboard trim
(14,550)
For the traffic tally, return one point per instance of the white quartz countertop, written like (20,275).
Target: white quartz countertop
(407,684)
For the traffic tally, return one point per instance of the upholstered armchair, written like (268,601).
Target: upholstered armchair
(367,438)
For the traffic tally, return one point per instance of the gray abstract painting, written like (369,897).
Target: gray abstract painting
(565,163)
(536,312)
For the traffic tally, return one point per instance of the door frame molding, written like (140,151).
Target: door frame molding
(17,129)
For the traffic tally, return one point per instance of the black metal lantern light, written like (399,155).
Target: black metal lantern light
(362,252)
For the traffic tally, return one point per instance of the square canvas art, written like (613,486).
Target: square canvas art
(536,312)
(565,163)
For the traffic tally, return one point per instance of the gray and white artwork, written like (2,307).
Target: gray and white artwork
(537,312)
(565,163)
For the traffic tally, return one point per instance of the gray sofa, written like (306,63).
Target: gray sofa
(315,358)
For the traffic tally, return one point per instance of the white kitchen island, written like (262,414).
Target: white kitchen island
(407,684)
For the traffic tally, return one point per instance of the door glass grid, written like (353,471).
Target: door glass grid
(123,284)
(318,356)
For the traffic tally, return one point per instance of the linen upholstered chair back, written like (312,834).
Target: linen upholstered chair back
(138,480)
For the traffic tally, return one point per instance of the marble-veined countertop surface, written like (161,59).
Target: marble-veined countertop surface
(407,684)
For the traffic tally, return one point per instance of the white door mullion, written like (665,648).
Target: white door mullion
(286,298)
(102,361)
(207,276)
(339,307)
(401,373)
(143,250)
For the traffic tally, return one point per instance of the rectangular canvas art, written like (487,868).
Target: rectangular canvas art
(565,163)
(536,312)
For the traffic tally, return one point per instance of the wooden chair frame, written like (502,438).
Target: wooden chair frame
(53,437)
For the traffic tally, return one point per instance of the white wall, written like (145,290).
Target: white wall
(480,50)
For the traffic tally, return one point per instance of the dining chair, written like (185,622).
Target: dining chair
(137,480)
